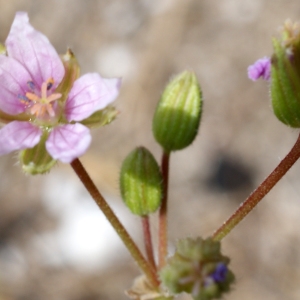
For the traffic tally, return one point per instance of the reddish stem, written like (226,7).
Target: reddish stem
(163,230)
(260,192)
(148,240)
(148,269)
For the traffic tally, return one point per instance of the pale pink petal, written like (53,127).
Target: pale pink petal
(17,136)
(34,51)
(13,83)
(90,93)
(68,142)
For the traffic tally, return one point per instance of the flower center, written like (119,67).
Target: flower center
(41,103)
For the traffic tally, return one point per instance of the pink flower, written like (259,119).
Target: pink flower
(29,76)
(261,68)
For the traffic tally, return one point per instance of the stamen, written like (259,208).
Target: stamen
(23,98)
(31,85)
(35,109)
(41,103)
(54,97)
(44,90)
(50,83)
(32,97)
(50,110)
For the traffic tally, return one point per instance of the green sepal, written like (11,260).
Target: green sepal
(6,118)
(285,87)
(72,72)
(141,182)
(37,160)
(177,116)
(101,117)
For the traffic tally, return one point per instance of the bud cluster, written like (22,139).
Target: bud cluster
(198,268)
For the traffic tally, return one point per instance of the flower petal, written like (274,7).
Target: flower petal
(18,135)
(261,68)
(68,142)
(90,93)
(34,51)
(13,82)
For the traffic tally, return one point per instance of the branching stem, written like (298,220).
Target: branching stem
(145,266)
(259,193)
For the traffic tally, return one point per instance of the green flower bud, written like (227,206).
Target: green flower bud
(177,116)
(141,182)
(198,268)
(37,160)
(285,76)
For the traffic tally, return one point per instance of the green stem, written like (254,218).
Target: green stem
(148,240)
(163,230)
(114,221)
(259,193)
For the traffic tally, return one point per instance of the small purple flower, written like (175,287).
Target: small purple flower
(29,75)
(219,275)
(261,68)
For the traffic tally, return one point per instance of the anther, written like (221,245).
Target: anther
(23,98)
(31,85)
(49,83)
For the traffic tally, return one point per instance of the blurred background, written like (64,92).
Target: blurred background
(54,241)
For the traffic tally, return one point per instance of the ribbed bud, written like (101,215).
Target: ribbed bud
(72,72)
(141,182)
(198,268)
(177,116)
(285,76)
(37,160)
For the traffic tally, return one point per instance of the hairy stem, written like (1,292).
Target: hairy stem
(163,226)
(259,193)
(148,270)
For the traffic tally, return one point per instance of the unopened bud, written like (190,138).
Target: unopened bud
(141,182)
(285,84)
(177,116)
(283,71)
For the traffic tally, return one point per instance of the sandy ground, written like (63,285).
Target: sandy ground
(55,244)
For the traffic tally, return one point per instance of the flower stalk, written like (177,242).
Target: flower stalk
(259,193)
(163,225)
(148,240)
(144,265)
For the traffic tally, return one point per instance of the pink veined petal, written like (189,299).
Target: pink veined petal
(13,82)
(34,51)
(90,93)
(68,142)
(17,136)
